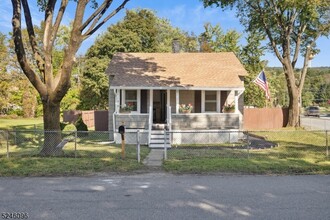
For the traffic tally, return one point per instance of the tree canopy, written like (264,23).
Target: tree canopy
(214,39)
(292,29)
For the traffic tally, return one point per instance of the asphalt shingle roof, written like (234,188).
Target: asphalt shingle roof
(203,70)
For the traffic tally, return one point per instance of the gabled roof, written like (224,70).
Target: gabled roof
(202,70)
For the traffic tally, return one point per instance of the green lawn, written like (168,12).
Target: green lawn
(21,123)
(298,152)
(90,159)
(94,153)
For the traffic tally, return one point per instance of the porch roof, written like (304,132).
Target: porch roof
(187,70)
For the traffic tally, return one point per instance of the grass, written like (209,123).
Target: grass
(246,166)
(94,153)
(21,124)
(89,161)
(64,166)
(298,152)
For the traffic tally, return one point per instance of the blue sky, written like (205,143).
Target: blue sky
(189,15)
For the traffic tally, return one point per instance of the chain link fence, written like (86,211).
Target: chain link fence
(72,144)
(315,123)
(178,145)
(299,144)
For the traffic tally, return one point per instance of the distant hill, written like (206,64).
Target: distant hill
(322,68)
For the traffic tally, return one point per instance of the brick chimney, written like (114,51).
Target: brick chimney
(176,47)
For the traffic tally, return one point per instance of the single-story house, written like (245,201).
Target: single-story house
(175,91)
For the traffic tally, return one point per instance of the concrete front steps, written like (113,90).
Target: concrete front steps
(157,139)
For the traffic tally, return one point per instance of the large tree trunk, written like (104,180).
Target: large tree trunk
(293,90)
(52,130)
(294,111)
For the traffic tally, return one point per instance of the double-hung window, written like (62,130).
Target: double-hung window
(131,99)
(210,101)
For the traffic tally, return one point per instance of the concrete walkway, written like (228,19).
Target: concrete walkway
(155,158)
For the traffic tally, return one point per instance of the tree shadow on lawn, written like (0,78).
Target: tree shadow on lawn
(40,166)
(85,151)
(28,127)
(26,139)
(113,151)
(300,150)
(34,140)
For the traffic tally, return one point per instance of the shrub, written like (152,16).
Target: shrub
(62,125)
(81,126)
(69,127)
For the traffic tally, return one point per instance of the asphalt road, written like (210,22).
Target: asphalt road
(166,196)
(314,123)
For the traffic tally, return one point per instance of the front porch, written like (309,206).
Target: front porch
(154,106)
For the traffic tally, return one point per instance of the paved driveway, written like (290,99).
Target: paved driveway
(166,196)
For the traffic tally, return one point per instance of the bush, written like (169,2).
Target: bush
(81,126)
(69,127)
(62,125)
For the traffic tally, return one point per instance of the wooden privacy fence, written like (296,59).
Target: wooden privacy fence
(265,118)
(93,119)
(254,118)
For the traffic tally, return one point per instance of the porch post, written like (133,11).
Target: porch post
(203,101)
(236,101)
(138,94)
(151,100)
(177,101)
(117,100)
(123,97)
(218,101)
(168,102)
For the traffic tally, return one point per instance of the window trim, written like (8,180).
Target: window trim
(211,101)
(204,101)
(138,99)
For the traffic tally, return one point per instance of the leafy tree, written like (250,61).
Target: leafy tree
(12,85)
(52,86)
(191,43)
(3,54)
(278,88)
(166,33)
(292,29)
(317,89)
(213,39)
(29,101)
(250,57)
(4,79)
(71,100)
(95,84)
